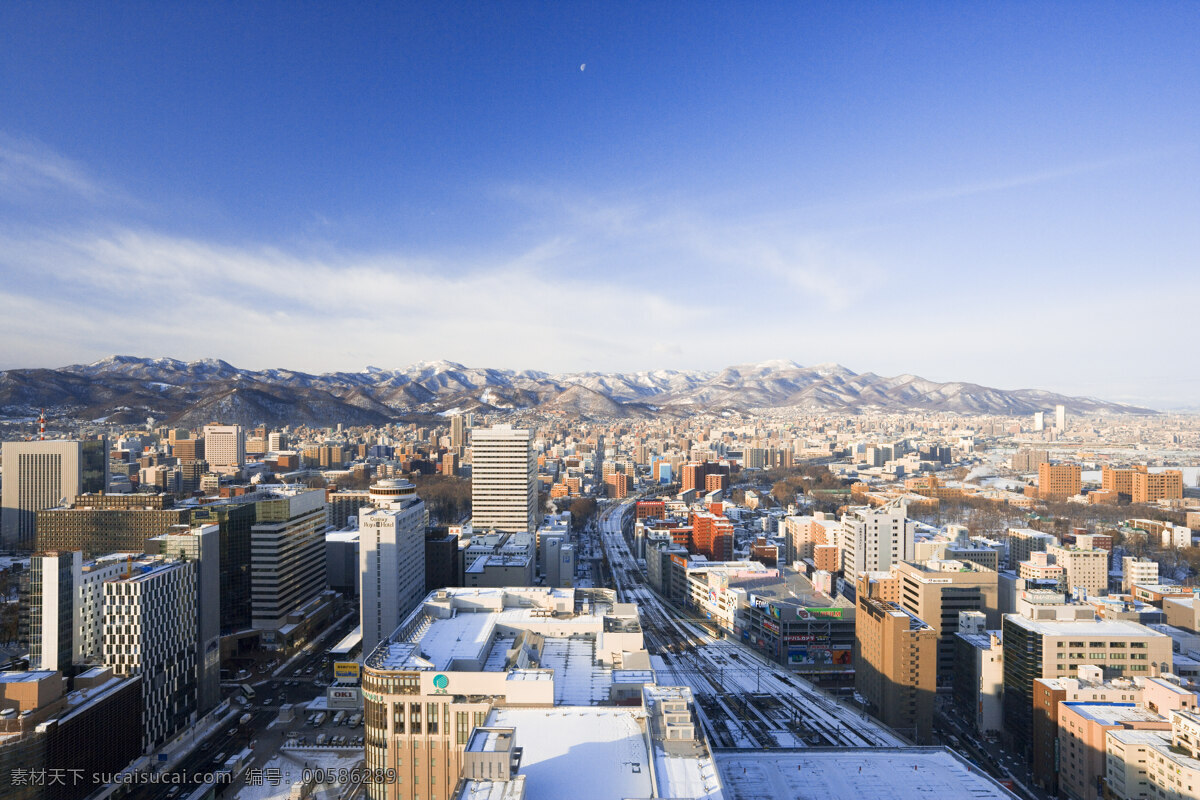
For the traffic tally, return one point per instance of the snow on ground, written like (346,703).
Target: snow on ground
(852,774)
(291,769)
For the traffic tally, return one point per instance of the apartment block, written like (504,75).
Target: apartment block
(1159,764)
(1083,568)
(1082,741)
(872,540)
(803,534)
(895,667)
(1024,541)
(1137,571)
(1059,481)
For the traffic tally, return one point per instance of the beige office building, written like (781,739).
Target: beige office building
(44,474)
(937,591)
(224,446)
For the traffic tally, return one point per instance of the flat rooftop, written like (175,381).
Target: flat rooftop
(580,753)
(789,588)
(25,677)
(917,773)
(477,631)
(1115,713)
(1080,627)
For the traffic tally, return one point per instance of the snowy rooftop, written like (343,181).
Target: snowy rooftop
(22,677)
(580,753)
(1114,713)
(855,773)
(1098,627)
(491,790)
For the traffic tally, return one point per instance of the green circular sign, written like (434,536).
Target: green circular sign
(440,681)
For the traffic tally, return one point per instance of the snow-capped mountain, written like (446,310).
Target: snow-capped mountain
(128,389)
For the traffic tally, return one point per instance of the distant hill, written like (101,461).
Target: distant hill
(127,389)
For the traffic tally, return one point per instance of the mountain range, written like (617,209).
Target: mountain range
(128,389)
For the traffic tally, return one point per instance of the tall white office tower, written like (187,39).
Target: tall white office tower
(40,475)
(287,555)
(224,445)
(1060,418)
(503,485)
(1039,421)
(391,558)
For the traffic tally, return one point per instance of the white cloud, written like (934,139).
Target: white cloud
(27,168)
(140,292)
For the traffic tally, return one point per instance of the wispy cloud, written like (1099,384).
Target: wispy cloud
(145,292)
(28,167)
(684,244)
(1021,180)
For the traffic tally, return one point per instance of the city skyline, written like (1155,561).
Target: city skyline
(894,190)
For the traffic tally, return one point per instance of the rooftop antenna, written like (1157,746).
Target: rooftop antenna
(42,426)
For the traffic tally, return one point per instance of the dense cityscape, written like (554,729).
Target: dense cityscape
(576,400)
(737,604)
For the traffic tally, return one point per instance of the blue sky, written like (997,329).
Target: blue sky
(1000,193)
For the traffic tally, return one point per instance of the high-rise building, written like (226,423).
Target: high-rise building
(503,480)
(873,539)
(44,474)
(1060,418)
(1150,487)
(52,592)
(391,557)
(1023,542)
(459,428)
(1039,421)
(202,547)
(1026,460)
(150,630)
(937,591)
(224,445)
(234,518)
(287,555)
(803,534)
(895,666)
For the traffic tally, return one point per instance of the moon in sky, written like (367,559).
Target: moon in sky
(582,67)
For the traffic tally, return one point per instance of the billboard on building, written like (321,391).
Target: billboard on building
(346,671)
(811,655)
(821,613)
(344,697)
